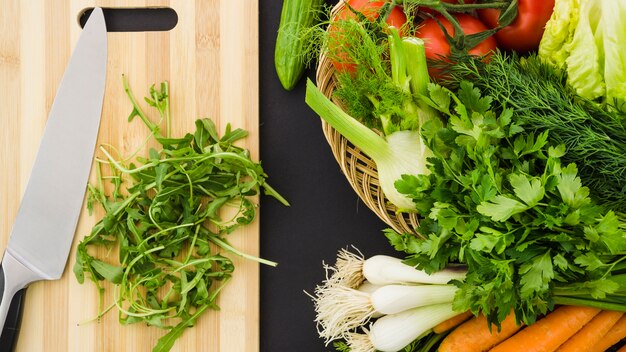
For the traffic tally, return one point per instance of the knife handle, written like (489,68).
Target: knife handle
(14,277)
(10,332)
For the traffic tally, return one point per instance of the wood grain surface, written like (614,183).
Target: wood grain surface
(210,59)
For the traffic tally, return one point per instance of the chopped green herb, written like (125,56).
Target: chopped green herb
(166,220)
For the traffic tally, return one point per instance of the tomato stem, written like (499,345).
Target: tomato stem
(465,7)
(458,7)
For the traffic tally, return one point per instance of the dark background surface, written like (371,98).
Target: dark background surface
(325,214)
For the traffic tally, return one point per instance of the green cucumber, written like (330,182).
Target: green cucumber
(296,15)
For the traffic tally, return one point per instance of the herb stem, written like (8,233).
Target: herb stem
(269,190)
(589,302)
(136,108)
(561,229)
(168,126)
(122,168)
(232,249)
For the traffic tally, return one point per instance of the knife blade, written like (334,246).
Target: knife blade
(41,236)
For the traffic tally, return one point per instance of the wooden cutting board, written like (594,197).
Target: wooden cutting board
(211,61)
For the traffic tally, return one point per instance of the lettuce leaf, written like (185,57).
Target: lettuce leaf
(584,72)
(613,33)
(588,40)
(559,31)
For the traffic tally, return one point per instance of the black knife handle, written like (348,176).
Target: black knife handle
(10,331)
(14,277)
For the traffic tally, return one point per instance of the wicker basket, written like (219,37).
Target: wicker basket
(359,169)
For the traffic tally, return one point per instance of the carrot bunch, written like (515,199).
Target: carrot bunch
(566,329)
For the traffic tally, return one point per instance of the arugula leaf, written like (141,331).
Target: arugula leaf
(166,342)
(107,271)
(165,216)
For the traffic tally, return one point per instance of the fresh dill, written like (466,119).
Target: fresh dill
(594,135)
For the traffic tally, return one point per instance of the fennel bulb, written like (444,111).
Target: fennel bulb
(400,153)
(390,102)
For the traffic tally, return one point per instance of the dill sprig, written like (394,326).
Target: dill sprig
(369,92)
(594,134)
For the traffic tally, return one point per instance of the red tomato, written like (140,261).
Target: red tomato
(524,34)
(371,10)
(438,48)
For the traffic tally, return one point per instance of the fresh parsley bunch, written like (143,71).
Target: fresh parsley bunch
(499,200)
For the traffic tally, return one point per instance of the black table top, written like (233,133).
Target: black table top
(325,214)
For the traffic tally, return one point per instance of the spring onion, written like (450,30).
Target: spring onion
(352,269)
(370,288)
(395,331)
(341,309)
(392,299)
(346,301)
(386,270)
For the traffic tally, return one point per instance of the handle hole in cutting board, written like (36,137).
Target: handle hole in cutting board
(153,19)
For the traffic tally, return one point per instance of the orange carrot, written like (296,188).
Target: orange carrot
(474,335)
(623,349)
(592,333)
(550,332)
(452,322)
(612,337)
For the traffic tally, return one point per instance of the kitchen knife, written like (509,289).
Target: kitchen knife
(44,227)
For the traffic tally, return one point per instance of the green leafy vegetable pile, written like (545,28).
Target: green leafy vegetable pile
(502,202)
(165,216)
(541,100)
(524,176)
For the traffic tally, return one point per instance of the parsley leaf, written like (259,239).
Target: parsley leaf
(528,190)
(536,275)
(498,200)
(500,208)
